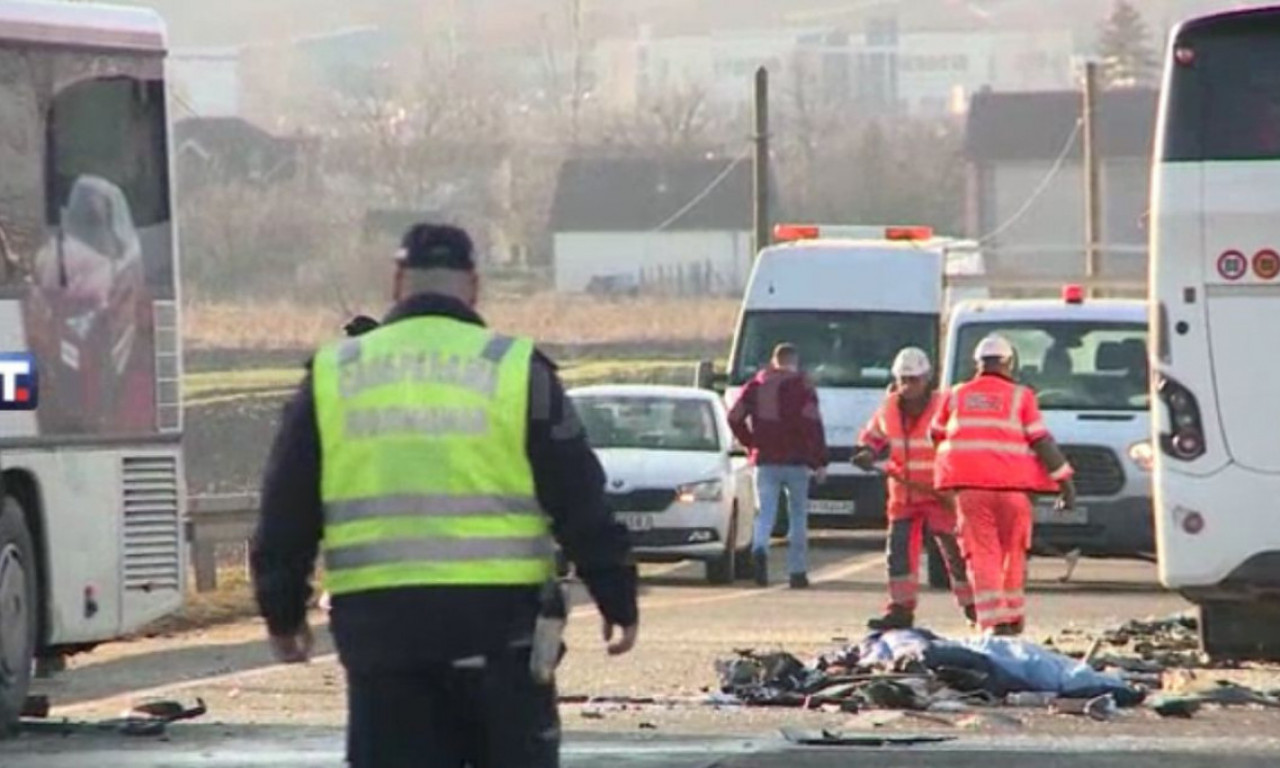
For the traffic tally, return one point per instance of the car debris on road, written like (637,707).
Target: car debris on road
(917,671)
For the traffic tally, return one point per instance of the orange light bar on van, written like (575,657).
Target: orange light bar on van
(908,233)
(788,232)
(791,232)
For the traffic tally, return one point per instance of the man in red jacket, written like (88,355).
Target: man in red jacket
(777,419)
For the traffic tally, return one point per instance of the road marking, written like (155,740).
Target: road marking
(839,570)
(835,572)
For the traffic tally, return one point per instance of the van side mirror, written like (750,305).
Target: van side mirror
(706,377)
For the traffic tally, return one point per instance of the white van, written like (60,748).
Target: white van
(848,298)
(1087,362)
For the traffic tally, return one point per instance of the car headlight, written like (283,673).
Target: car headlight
(1142,455)
(709,490)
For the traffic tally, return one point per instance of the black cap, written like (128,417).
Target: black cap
(436,246)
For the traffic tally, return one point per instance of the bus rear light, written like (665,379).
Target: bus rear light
(1184,55)
(1185,440)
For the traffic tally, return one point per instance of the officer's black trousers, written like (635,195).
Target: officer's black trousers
(446,716)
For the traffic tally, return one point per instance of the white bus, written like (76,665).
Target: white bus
(91,481)
(1215,300)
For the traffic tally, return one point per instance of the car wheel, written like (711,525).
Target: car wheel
(721,569)
(18,606)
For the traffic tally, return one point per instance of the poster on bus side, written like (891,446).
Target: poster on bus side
(86,242)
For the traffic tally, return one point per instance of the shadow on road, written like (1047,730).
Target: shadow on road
(168,667)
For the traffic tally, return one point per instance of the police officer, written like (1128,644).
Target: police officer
(432,460)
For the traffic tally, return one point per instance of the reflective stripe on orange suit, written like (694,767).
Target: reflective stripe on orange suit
(911,452)
(911,512)
(984,433)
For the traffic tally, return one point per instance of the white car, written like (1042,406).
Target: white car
(673,476)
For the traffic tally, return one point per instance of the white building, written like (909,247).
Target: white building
(633,222)
(918,72)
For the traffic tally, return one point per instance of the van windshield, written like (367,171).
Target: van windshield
(1072,365)
(837,349)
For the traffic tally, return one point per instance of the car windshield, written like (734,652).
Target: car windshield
(648,422)
(1072,365)
(837,349)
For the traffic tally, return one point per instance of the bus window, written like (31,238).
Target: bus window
(109,132)
(1238,118)
(21,220)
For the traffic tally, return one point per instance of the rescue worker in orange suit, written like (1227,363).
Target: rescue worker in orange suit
(901,427)
(994,451)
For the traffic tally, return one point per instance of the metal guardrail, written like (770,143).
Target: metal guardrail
(217,519)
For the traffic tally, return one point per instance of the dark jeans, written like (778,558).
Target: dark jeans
(444,716)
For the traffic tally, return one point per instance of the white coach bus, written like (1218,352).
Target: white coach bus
(1215,300)
(91,480)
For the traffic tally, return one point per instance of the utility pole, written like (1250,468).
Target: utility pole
(576,103)
(1092,176)
(760,198)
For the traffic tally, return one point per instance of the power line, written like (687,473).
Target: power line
(715,183)
(1040,188)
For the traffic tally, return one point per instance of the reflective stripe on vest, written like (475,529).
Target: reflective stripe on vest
(985,444)
(424,476)
(911,451)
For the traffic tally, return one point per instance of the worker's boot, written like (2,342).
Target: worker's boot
(799,581)
(1008,629)
(971,614)
(761,568)
(897,617)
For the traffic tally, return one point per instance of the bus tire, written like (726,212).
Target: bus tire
(1240,630)
(18,611)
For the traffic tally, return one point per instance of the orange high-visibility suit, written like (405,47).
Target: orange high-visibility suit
(984,432)
(911,458)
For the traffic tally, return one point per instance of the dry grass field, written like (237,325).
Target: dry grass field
(548,318)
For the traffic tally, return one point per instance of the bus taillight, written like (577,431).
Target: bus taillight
(1184,55)
(1185,439)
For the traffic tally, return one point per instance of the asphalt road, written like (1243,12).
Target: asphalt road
(265,714)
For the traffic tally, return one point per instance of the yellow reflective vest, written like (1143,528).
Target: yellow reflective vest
(425,478)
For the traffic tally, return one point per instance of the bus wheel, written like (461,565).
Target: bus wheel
(17,612)
(1240,630)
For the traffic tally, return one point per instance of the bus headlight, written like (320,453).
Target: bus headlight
(1142,455)
(1185,440)
(709,490)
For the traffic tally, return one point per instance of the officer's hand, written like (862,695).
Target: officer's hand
(820,475)
(295,648)
(1067,500)
(864,458)
(624,643)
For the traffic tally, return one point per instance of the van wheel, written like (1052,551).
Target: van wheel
(17,613)
(721,569)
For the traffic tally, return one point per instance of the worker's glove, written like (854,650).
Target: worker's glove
(1067,496)
(864,458)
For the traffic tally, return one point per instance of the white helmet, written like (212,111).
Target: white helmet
(995,346)
(911,361)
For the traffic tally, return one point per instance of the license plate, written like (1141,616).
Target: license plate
(1045,514)
(635,521)
(830,507)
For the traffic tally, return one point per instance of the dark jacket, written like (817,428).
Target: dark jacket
(777,418)
(401,628)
